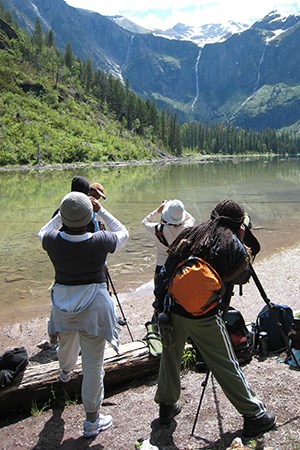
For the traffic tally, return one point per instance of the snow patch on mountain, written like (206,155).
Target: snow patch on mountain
(127,24)
(203,34)
(278,21)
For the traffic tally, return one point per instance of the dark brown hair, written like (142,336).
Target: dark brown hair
(225,219)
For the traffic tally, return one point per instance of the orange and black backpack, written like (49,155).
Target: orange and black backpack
(196,286)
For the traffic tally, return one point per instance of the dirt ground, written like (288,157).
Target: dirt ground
(132,407)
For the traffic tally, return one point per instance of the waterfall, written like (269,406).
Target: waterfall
(256,85)
(240,107)
(258,69)
(197,78)
(129,49)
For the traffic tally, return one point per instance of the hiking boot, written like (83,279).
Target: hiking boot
(168,411)
(258,425)
(65,376)
(92,429)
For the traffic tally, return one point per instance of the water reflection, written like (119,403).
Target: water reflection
(268,188)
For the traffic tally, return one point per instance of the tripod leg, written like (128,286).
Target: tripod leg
(203,384)
(119,304)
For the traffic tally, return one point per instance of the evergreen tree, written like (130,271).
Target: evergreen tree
(89,74)
(49,39)
(38,37)
(69,56)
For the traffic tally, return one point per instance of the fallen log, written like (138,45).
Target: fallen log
(40,383)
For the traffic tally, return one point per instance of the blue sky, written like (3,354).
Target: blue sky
(165,14)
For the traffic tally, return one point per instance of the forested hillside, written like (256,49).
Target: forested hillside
(249,80)
(56,108)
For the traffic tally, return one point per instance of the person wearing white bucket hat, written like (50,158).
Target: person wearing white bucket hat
(173,212)
(173,219)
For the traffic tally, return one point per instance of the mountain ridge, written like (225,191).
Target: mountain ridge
(56,109)
(251,79)
(200,35)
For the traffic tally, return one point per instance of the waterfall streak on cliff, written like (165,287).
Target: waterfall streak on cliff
(197,78)
(129,49)
(256,85)
(258,69)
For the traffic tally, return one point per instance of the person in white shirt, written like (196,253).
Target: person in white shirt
(165,223)
(83,313)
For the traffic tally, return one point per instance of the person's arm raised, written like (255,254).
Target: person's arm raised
(114,225)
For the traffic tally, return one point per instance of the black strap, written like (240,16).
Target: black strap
(160,235)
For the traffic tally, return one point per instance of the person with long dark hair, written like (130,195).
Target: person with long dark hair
(218,241)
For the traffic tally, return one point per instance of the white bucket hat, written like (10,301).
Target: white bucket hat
(173,212)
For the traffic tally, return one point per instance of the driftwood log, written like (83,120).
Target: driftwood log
(40,383)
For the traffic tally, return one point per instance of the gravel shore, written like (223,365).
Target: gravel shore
(133,409)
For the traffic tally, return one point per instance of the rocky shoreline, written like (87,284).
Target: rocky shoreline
(166,159)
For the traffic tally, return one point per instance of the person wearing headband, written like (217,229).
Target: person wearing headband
(219,241)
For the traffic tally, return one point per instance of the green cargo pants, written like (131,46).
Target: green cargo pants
(211,337)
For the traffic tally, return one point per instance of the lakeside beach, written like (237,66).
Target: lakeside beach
(218,424)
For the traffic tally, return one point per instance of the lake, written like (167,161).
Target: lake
(268,188)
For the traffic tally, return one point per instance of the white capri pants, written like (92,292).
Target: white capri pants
(92,355)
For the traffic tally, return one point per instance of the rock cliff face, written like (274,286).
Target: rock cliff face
(252,79)
(252,75)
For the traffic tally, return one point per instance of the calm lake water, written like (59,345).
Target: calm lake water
(269,189)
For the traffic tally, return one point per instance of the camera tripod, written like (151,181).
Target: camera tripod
(268,302)
(124,322)
(109,281)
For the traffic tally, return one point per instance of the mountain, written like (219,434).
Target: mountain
(128,24)
(200,35)
(204,34)
(251,79)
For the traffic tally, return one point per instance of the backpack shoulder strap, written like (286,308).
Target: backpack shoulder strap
(191,260)
(160,235)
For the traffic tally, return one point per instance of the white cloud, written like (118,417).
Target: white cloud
(166,13)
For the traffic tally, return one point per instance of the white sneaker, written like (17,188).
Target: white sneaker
(91,429)
(65,376)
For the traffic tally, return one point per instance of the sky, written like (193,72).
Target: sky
(164,14)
